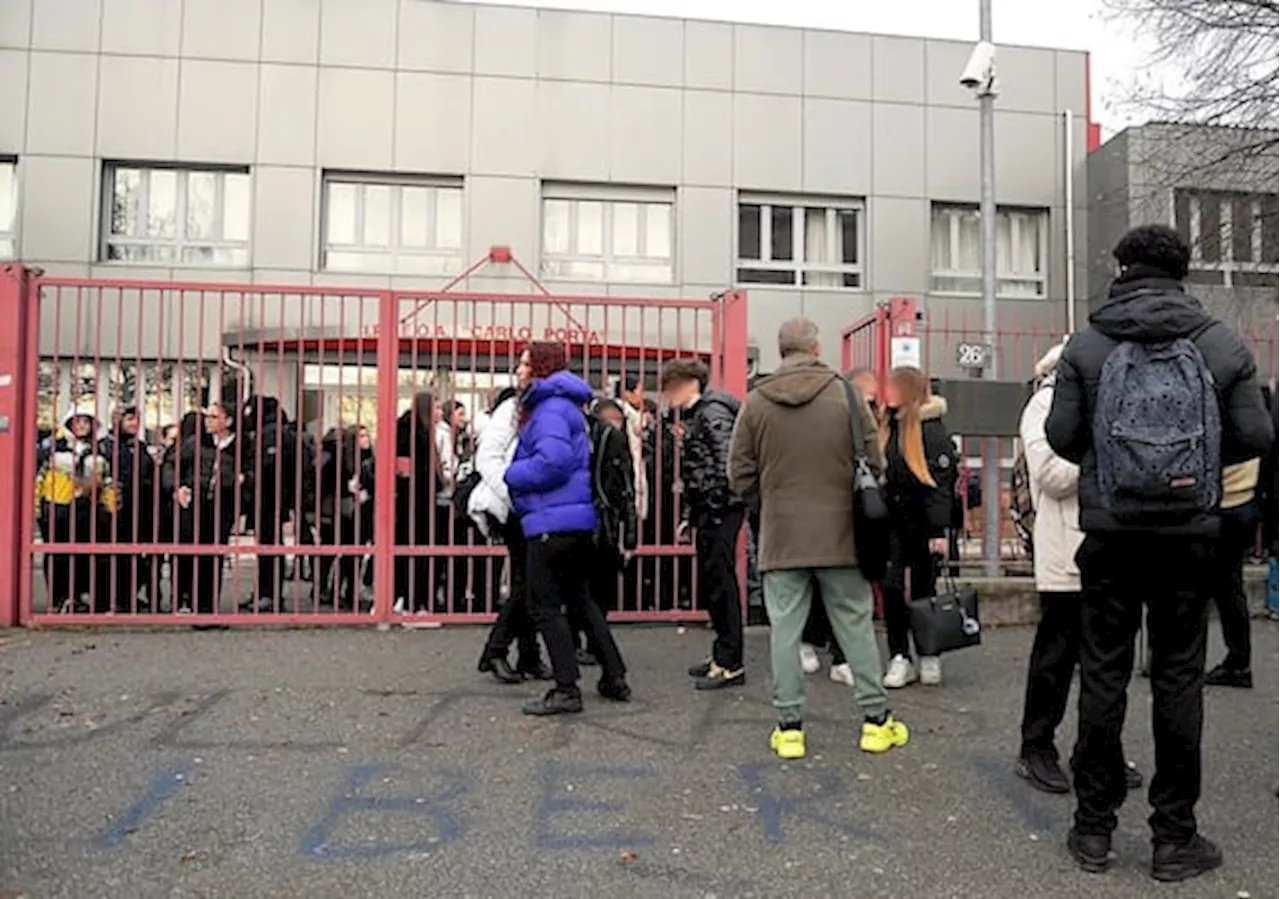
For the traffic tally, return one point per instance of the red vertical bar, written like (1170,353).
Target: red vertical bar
(17,409)
(734,350)
(384,528)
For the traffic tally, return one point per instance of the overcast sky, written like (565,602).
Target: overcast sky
(1069,24)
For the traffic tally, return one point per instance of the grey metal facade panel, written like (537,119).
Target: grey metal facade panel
(506,97)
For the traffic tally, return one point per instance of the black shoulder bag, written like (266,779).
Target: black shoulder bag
(870,512)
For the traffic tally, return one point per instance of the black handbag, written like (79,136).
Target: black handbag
(946,622)
(870,511)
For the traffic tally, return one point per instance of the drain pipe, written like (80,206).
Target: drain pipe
(1069,120)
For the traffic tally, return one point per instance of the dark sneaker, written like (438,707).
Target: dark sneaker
(1043,772)
(615,689)
(556,702)
(1092,852)
(586,659)
(1132,776)
(1171,862)
(702,669)
(718,678)
(501,670)
(1222,676)
(538,670)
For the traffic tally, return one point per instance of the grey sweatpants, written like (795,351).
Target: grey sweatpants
(787,595)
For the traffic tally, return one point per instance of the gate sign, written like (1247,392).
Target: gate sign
(418,331)
(904,351)
(972,355)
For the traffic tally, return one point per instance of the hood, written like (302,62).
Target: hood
(933,407)
(797,381)
(88,409)
(719,398)
(1149,310)
(272,415)
(563,384)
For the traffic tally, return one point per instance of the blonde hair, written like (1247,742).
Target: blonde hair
(913,388)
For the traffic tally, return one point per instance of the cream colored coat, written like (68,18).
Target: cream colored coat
(1054,486)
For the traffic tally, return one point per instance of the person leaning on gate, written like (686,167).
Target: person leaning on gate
(1053,484)
(793,454)
(1151,400)
(712,511)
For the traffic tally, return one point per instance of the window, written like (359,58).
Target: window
(175,216)
(624,235)
(1233,236)
(800,243)
(392,225)
(1022,249)
(8,208)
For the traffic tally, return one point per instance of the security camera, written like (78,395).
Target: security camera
(980,72)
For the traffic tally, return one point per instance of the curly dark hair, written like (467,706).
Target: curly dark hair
(546,358)
(1154,246)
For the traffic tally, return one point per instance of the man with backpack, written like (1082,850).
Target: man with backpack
(1152,399)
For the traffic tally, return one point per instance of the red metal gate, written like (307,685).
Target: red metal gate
(329,517)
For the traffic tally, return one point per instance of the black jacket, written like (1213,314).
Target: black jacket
(704,459)
(913,505)
(282,471)
(1152,310)
(135,474)
(613,483)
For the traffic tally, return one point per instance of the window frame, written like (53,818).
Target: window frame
(16,199)
(180,242)
(1228,266)
(395,248)
(609,198)
(1018,214)
(798,203)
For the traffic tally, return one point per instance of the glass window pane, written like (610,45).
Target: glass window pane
(1210,227)
(555,226)
(1004,243)
(7,249)
(766,276)
(970,258)
(8,196)
(748,231)
(126,199)
(1270,229)
(783,242)
(377,215)
(340,213)
(425,264)
(413,217)
(940,238)
(162,203)
(589,241)
(201,196)
(1243,221)
(847,223)
(448,218)
(626,229)
(657,230)
(815,236)
(235,206)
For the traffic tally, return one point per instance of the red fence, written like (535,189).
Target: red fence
(333,507)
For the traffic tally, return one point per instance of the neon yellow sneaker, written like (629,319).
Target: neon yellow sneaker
(788,744)
(883,737)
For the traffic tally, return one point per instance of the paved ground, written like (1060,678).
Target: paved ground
(351,763)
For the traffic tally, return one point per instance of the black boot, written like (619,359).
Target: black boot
(1171,862)
(535,670)
(557,701)
(1042,771)
(614,688)
(1092,852)
(500,668)
(1223,676)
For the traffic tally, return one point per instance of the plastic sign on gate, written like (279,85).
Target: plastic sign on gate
(904,351)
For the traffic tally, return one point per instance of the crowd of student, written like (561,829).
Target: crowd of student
(1149,458)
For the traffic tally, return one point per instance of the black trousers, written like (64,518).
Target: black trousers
(559,566)
(718,592)
(198,579)
(817,628)
(515,624)
(266,532)
(1173,576)
(1054,655)
(908,555)
(1239,529)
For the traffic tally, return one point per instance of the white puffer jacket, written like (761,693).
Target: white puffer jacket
(494,452)
(1054,493)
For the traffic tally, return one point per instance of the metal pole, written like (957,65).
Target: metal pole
(1069,175)
(987,215)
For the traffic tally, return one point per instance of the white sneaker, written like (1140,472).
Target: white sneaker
(930,671)
(842,674)
(809,660)
(900,673)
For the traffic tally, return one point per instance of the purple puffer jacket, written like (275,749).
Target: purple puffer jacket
(550,477)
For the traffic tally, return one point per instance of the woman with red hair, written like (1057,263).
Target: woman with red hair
(550,484)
